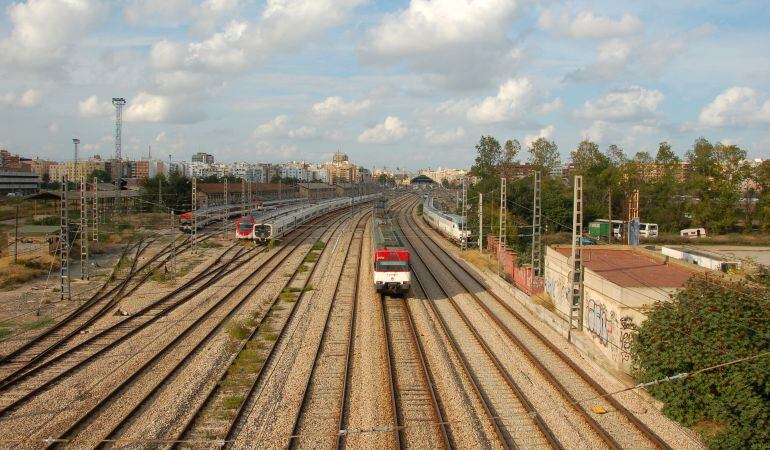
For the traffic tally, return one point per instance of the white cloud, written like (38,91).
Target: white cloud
(587,25)
(546,132)
(267,150)
(459,44)
(509,103)
(53,128)
(336,107)
(736,106)
(391,130)
(454,107)
(303,132)
(552,106)
(164,13)
(44,31)
(274,127)
(633,103)
(596,132)
(146,107)
(429,25)
(27,99)
(92,107)
(433,137)
(284,25)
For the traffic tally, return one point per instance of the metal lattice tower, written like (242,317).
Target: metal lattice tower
(95,221)
(173,245)
(83,230)
(501,243)
(243,196)
(64,247)
(251,203)
(227,210)
(481,223)
(76,141)
(576,278)
(194,229)
(537,218)
(464,217)
(119,104)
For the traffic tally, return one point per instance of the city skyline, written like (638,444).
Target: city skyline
(408,84)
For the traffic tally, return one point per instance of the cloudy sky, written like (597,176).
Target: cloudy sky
(393,83)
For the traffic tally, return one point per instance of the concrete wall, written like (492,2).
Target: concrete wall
(611,313)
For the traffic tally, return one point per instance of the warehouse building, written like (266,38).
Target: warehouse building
(620,284)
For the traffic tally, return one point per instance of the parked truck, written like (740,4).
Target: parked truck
(600,229)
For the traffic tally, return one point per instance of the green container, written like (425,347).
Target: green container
(598,229)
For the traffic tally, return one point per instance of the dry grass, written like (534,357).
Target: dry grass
(483,262)
(25,270)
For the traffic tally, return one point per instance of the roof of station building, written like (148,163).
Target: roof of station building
(628,268)
(422,179)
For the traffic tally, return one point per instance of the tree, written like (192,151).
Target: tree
(544,155)
(706,324)
(100,175)
(512,149)
(588,157)
(488,155)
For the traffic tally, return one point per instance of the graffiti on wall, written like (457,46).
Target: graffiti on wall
(627,331)
(599,322)
(556,290)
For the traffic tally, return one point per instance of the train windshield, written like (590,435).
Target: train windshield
(391,266)
(261,231)
(245,226)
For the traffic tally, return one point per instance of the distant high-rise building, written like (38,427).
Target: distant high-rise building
(203,157)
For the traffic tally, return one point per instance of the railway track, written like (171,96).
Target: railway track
(419,415)
(97,306)
(95,424)
(326,391)
(40,377)
(205,424)
(617,428)
(515,421)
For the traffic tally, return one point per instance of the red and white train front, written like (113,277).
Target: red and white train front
(244,228)
(391,271)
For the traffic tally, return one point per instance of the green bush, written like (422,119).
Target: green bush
(706,324)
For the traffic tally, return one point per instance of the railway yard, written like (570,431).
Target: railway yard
(291,345)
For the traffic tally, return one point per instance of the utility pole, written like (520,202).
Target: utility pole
(83,230)
(503,219)
(464,217)
(173,245)
(481,223)
(537,217)
(95,228)
(576,278)
(609,207)
(194,230)
(243,196)
(227,210)
(16,236)
(64,248)
(160,191)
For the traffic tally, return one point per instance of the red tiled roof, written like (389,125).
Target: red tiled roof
(627,268)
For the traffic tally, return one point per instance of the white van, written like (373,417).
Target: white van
(648,230)
(693,232)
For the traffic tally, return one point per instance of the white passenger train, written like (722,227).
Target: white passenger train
(277,226)
(447,224)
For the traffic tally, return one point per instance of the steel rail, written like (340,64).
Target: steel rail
(513,386)
(294,438)
(105,401)
(184,433)
(233,428)
(603,433)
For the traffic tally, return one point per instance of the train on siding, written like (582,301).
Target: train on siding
(391,258)
(450,225)
(209,215)
(276,225)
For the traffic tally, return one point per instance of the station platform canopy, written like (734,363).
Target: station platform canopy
(422,180)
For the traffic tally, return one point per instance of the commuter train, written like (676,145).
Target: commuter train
(279,223)
(211,214)
(447,224)
(391,258)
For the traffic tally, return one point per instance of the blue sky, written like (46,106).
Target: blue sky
(403,83)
